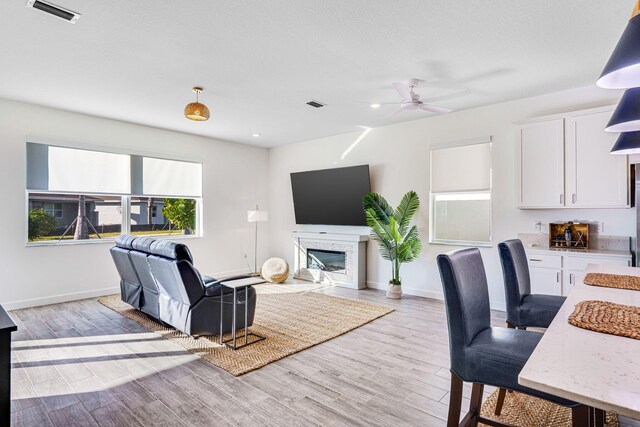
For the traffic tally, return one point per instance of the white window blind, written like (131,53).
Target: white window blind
(460,199)
(85,171)
(52,168)
(72,170)
(171,178)
(462,168)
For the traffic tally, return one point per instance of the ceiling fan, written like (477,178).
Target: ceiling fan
(411,100)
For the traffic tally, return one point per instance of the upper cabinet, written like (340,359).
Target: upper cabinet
(541,160)
(564,162)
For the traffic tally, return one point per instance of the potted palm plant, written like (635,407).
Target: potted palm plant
(398,242)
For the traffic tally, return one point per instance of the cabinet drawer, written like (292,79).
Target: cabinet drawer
(547,261)
(580,263)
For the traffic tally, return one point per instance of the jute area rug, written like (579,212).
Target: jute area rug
(291,318)
(527,411)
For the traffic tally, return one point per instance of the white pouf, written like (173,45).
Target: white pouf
(275,270)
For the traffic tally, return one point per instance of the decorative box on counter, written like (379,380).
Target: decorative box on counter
(569,235)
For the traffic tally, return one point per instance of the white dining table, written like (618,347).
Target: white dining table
(592,368)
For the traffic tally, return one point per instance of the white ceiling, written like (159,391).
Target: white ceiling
(260,61)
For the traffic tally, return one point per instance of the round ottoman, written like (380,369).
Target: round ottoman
(275,270)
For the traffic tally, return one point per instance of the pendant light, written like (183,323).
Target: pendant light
(623,69)
(626,118)
(627,143)
(196,111)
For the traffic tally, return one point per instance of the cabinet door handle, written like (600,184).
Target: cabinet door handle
(558,277)
(574,198)
(536,260)
(571,279)
(562,199)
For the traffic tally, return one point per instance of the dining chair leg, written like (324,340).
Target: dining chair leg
(475,403)
(600,417)
(580,416)
(455,400)
(501,395)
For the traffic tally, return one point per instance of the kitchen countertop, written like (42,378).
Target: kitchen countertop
(586,252)
(593,368)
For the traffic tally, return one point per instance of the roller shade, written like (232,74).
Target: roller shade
(52,168)
(163,177)
(461,168)
(72,170)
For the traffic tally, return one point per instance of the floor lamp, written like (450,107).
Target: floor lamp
(257,216)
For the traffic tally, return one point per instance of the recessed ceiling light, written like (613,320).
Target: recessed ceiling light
(256,135)
(375,105)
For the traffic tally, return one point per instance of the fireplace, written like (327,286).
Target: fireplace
(331,258)
(320,259)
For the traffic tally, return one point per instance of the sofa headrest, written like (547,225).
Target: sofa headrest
(169,249)
(125,241)
(143,244)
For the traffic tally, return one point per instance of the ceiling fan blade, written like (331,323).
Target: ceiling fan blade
(403,91)
(434,109)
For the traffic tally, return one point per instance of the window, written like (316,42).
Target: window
(80,195)
(460,198)
(163,216)
(57,217)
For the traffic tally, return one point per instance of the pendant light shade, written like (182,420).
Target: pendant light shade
(627,143)
(197,111)
(623,69)
(626,118)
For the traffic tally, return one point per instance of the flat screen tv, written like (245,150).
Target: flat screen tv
(330,196)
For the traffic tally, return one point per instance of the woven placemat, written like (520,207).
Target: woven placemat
(613,281)
(527,411)
(608,318)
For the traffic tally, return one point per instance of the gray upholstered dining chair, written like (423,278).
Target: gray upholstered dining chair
(481,354)
(524,310)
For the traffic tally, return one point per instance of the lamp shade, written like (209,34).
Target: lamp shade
(626,118)
(627,143)
(623,69)
(196,111)
(257,216)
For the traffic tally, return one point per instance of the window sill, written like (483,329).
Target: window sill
(459,243)
(106,240)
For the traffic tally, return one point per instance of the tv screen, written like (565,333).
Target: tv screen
(330,196)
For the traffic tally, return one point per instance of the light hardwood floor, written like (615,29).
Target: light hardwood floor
(81,364)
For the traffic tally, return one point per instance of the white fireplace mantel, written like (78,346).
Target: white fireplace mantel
(354,247)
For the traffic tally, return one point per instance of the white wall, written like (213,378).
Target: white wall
(235,179)
(399,160)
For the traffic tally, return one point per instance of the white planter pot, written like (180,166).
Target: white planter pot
(394,291)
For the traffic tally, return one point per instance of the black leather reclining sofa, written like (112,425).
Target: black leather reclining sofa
(158,278)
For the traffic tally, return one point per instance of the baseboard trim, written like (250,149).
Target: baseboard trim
(499,306)
(56,299)
(409,291)
(74,296)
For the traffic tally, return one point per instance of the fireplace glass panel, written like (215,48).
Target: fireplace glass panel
(331,261)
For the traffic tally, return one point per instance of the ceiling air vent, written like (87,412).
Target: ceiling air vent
(54,10)
(316,104)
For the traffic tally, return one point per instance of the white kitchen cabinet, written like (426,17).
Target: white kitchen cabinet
(556,273)
(563,161)
(540,152)
(546,281)
(576,265)
(594,177)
